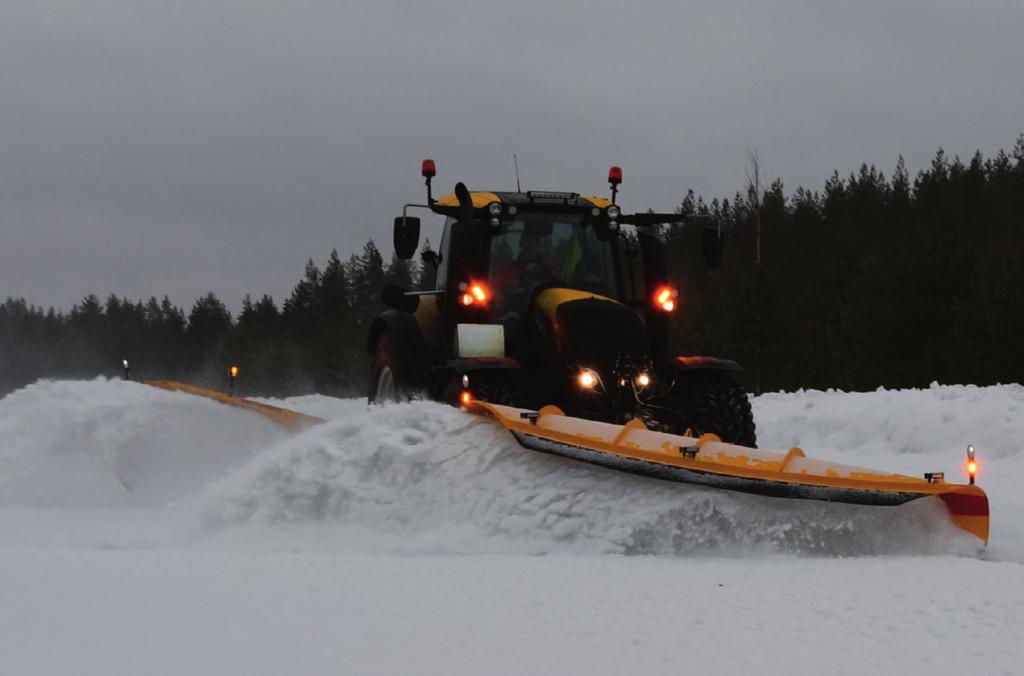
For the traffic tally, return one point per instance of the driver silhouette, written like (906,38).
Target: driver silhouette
(533,266)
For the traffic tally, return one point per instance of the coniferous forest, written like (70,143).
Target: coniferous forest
(873,280)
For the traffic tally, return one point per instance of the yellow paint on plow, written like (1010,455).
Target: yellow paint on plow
(293,421)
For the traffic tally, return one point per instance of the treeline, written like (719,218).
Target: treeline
(313,343)
(873,281)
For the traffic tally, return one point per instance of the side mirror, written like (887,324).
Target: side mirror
(711,242)
(407,236)
(396,297)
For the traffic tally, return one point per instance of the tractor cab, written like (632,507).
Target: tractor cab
(493,263)
(544,249)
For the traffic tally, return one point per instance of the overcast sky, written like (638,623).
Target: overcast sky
(178,147)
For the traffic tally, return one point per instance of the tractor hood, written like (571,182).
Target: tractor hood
(591,331)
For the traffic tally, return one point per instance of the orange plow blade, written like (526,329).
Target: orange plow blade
(708,461)
(704,461)
(290,420)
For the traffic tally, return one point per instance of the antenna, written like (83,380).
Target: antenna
(515,161)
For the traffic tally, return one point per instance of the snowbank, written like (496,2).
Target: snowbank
(111,442)
(426,478)
(933,424)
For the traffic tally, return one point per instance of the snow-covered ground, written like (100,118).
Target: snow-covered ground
(146,531)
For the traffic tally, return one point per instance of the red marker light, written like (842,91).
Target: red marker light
(615,175)
(665,298)
(475,293)
(428,169)
(972,465)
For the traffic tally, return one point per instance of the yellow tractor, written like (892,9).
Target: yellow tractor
(543,297)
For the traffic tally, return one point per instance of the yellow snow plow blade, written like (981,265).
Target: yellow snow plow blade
(708,461)
(292,421)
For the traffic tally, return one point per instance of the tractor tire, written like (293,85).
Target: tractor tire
(385,373)
(713,401)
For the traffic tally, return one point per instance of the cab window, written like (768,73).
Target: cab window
(543,249)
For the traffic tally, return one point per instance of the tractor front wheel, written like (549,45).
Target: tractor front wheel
(713,401)
(385,373)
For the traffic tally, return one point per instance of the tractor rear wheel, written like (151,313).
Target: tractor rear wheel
(713,401)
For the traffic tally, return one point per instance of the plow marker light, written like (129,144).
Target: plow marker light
(972,465)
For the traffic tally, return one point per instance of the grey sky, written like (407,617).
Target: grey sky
(180,147)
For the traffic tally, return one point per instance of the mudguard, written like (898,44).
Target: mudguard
(700,363)
(413,354)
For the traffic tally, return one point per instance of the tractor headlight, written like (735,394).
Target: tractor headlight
(494,208)
(587,379)
(613,212)
(512,210)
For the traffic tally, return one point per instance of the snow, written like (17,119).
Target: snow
(75,444)
(175,612)
(147,531)
(318,405)
(915,431)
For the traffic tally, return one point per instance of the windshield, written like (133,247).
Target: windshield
(538,249)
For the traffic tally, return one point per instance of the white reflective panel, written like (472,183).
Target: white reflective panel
(480,340)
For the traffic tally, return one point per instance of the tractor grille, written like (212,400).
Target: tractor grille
(594,333)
